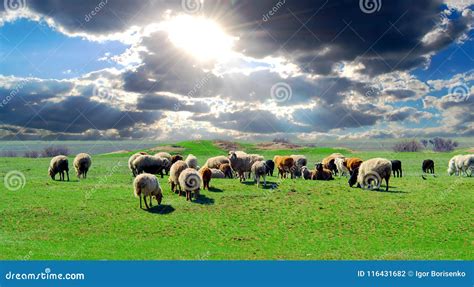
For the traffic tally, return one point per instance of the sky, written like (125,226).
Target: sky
(238,70)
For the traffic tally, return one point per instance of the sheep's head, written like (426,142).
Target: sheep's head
(51,172)
(318,166)
(232,155)
(353,177)
(159,198)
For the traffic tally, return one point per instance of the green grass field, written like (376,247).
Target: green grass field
(99,218)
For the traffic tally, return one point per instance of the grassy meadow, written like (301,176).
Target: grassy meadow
(99,218)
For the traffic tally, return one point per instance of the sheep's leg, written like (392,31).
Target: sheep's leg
(141,202)
(264,181)
(386,182)
(146,203)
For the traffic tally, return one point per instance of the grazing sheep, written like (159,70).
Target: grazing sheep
(149,164)
(82,162)
(270,167)
(397,168)
(217,173)
(352,163)
(259,169)
(59,164)
(428,166)
(227,170)
(190,182)
(375,169)
(322,173)
(306,173)
(241,163)
(131,159)
(328,162)
(167,163)
(216,162)
(175,171)
(192,161)
(175,158)
(285,165)
(460,164)
(206,175)
(147,185)
(341,168)
(300,161)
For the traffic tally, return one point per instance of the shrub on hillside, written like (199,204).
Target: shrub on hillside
(32,154)
(407,146)
(52,151)
(8,154)
(443,145)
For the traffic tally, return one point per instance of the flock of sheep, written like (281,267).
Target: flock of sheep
(185,176)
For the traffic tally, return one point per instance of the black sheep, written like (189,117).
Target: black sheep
(397,168)
(428,166)
(270,167)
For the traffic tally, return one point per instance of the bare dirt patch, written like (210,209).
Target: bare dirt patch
(119,152)
(228,145)
(168,148)
(471,149)
(277,146)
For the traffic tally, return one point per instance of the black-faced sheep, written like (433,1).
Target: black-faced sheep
(300,161)
(190,182)
(175,172)
(259,169)
(206,175)
(82,163)
(428,166)
(149,164)
(59,164)
(131,159)
(147,185)
(191,161)
(322,173)
(371,173)
(176,157)
(216,162)
(227,170)
(397,168)
(270,167)
(306,173)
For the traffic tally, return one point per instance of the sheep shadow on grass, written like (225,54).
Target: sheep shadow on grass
(214,189)
(204,200)
(270,184)
(161,209)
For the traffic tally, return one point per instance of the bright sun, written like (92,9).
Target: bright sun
(202,38)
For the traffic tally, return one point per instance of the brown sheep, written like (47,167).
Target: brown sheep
(206,175)
(328,162)
(322,173)
(175,158)
(284,164)
(226,169)
(352,163)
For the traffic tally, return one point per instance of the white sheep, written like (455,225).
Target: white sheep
(240,163)
(217,173)
(341,168)
(59,164)
(190,181)
(132,158)
(192,161)
(149,164)
(175,171)
(370,171)
(147,185)
(460,164)
(216,162)
(167,160)
(82,163)
(259,169)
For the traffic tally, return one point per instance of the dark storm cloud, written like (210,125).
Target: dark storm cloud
(333,31)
